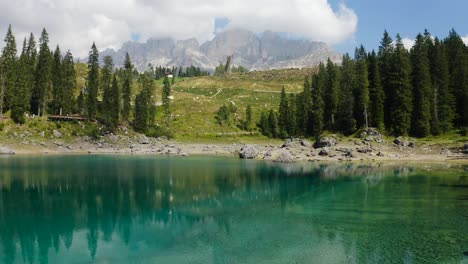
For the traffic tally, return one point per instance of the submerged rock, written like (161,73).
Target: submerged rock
(6,151)
(248,152)
(285,157)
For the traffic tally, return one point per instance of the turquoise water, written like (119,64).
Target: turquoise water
(140,209)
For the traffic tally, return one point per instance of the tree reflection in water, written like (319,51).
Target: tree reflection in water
(242,211)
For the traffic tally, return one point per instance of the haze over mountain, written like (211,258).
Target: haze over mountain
(268,50)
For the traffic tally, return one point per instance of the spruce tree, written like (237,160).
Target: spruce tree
(127,88)
(265,125)
(31,69)
(376,93)
(8,71)
(114,104)
(19,99)
(166,93)
(69,83)
(248,118)
(273,124)
(43,78)
(92,82)
(458,70)
(292,113)
(385,57)
(57,82)
(361,88)
(442,100)
(319,82)
(330,96)
(106,88)
(400,91)
(421,114)
(283,114)
(346,123)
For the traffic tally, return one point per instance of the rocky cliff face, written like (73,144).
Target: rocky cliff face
(255,52)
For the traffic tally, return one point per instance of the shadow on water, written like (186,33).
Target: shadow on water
(215,210)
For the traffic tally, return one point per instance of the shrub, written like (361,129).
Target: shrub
(158,131)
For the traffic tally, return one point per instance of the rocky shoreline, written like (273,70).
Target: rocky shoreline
(369,147)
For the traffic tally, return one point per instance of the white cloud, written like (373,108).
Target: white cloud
(408,43)
(75,24)
(465,39)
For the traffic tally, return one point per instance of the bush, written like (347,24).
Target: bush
(158,131)
(2,126)
(464,131)
(92,130)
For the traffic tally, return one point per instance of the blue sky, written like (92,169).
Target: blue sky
(407,17)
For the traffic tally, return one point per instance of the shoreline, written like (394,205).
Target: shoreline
(294,152)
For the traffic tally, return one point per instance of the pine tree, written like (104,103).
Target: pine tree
(421,114)
(385,56)
(307,108)
(319,82)
(114,104)
(19,99)
(8,71)
(248,118)
(273,124)
(458,70)
(166,93)
(442,99)
(106,88)
(92,82)
(57,82)
(69,83)
(283,114)
(143,105)
(376,93)
(265,125)
(127,88)
(400,91)
(346,123)
(292,122)
(361,89)
(43,77)
(31,70)
(330,96)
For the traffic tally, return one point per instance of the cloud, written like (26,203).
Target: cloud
(465,39)
(408,43)
(76,24)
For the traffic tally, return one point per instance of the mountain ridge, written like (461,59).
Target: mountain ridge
(268,50)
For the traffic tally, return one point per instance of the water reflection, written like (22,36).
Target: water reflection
(117,209)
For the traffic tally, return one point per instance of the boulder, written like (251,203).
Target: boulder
(324,152)
(285,157)
(446,152)
(248,152)
(325,142)
(349,154)
(143,140)
(400,141)
(57,134)
(305,143)
(411,145)
(287,143)
(364,150)
(6,151)
(466,147)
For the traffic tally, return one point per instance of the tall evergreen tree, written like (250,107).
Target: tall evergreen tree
(127,88)
(57,82)
(43,78)
(106,88)
(8,71)
(421,114)
(330,96)
(376,93)
(92,82)
(166,93)
(143,105)
(385,56)
(114,104)
(346,123)
(307,108)
(273,124)
(265,125)
(68,84)
(400,90)
(19,99)
(319,82)
(361,88)
(442,100)
(458,69)
(283,114)
(292,113)
(31,69)
(248,118)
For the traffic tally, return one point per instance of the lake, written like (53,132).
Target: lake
(146,209)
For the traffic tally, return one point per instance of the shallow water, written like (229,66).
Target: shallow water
(141,209)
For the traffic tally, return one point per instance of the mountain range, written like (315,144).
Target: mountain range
(268,50)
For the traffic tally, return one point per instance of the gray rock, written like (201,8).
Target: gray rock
(57,134)
(325,142)
(380,154)
(411,145)
(287,143)
(43,144)
(324,152)
(364,150)
(465,146)
(446,152)
(143,140)
(400,141)
(305,143)
(15,134)
(6,151)
(285,157)
(42,134)
(349,154)
(248,152)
